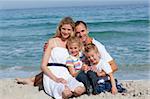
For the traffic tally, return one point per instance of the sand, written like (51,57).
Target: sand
(9,89)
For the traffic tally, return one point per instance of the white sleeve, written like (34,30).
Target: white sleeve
(103,52)
(106,67)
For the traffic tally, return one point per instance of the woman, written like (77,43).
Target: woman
(57,80)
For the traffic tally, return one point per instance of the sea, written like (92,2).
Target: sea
(123,29)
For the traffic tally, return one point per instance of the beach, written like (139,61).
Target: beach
(122,29)
(136,89)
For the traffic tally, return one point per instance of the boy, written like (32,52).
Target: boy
(96,66)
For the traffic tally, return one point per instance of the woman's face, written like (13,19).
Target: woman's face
(81,32)
(66,31)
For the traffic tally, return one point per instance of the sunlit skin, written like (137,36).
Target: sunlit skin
(81,32)
(66,30)
(74,49)
(93,57)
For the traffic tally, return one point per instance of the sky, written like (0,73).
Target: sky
(13,4)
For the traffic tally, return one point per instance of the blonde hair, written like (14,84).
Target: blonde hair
(90,47)
(72,40)
(66,20)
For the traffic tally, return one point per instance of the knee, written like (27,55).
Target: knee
(79,91)
(66,93)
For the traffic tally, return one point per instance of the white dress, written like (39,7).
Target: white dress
(52,88)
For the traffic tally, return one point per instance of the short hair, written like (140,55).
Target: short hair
(90,47)
(72,40)
(80,22)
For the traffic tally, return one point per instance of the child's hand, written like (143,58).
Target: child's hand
(93,68)
(114,90)
(85,67)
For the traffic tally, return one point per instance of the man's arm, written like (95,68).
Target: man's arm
(113,65)
(114,68)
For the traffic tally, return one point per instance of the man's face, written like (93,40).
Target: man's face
(81,32)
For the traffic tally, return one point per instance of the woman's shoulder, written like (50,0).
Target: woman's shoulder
(55,42)
(52,40)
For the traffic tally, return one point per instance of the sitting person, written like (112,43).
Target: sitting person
(74,61)
(96,66)
(57,80)
(81,31)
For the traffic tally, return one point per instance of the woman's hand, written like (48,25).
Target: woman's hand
(61,80)
(93,68)
(114,90)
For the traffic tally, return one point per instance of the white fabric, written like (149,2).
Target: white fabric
(103,65)
(101,48)
(59,55)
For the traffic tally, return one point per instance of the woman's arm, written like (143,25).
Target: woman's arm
(45,59)
(44,62)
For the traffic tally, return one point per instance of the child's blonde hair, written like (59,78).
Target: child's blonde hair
(90,47)
(72,40)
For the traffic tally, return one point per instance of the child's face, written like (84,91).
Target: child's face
(93,57)
(74,49)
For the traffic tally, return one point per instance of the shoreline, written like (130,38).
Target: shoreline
(136,89)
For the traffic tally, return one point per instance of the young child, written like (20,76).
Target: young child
(74,61)
(96,66)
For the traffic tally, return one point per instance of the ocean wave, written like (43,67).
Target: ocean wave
(29,17)
(109,32)
(123,22)
(18,68)
(29,25)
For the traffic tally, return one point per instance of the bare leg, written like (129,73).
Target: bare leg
(26,81)
(66,93)
(79,91)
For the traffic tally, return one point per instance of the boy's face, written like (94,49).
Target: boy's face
(74,49)
(93,57)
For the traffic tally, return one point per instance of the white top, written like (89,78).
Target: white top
(52,88)
(74,62)
(103,65)
(59,55)
(101,48)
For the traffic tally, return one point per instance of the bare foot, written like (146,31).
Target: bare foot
(24,81)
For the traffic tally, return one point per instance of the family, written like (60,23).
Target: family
(74,63)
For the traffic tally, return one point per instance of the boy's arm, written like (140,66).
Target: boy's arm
(112,80)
